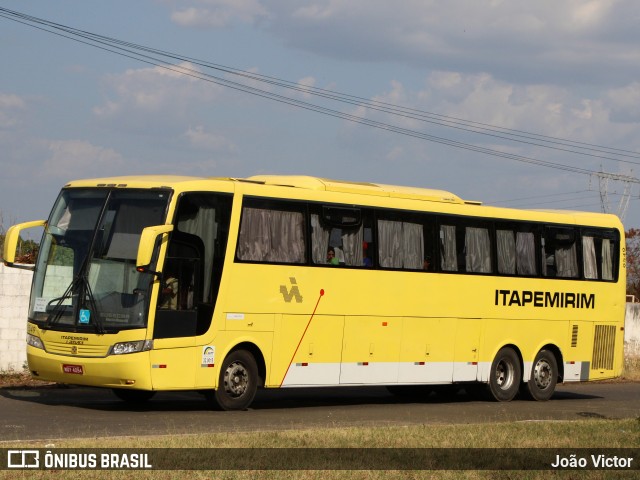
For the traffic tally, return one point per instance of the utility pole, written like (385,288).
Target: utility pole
(603,182)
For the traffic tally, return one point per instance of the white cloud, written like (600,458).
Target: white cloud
(306,82)
(543,109)
(11,101)
(217,13)
(517,40)
(80,159)
(201,139)
(314,11)
(395,154)
(587,14)
(9,106)
(625,103)
(157,91)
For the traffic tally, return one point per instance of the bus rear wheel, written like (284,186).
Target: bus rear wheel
(543,378)
(238,381)
(505,375)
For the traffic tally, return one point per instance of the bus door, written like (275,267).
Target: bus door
(425,351)
(189,287)
(467,350)
(317,346)
(371,350)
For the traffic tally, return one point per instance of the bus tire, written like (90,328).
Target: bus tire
(543,378)
(238,381)
(133,396)
(505,375)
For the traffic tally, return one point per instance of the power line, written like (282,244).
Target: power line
(497,202)
(359,101)
(159,58)
(555,202)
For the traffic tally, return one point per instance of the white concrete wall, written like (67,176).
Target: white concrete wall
(15,286)
(632,330)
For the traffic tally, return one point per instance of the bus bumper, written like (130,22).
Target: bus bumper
(114,371)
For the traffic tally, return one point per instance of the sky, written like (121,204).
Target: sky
(568,71)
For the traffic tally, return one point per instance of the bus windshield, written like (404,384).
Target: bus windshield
(86,278)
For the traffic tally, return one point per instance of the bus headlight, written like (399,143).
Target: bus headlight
(34,341)
(131,347)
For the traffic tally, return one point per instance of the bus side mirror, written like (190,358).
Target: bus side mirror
(11,241)
(147,243)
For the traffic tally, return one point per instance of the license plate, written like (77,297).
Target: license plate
(74,369)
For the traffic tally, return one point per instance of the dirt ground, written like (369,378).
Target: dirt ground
(22,380)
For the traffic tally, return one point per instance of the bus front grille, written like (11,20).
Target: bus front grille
(76,350)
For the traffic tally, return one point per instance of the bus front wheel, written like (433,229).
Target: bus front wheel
(543,378)
(505,375)
(238,381)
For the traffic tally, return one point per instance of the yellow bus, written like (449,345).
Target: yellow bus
(227,285)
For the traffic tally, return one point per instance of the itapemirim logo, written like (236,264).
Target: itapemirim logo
(289,295)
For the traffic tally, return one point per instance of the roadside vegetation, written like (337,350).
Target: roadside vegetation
(530,435)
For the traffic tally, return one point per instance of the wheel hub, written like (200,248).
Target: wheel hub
(504,375)
(236,379)
(542,374)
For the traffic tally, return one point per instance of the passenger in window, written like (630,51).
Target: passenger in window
(426,266)
(551,266)
(331,257)
(169,293)
(366,260)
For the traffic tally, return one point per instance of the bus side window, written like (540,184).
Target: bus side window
(448,250)
(465,246)
(401,245)
(560,253)
(590,264)
(271,236)
(526,254)
(506,243)
(183,271)
(598,254)
(344,230)
(516,250)
(477,250)
(193,268)
(181,287)
(608,248)
(430,248)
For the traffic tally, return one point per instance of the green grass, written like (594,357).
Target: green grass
(529,434)
(575,434)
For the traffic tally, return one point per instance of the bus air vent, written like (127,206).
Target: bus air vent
(604,347)
(574,336)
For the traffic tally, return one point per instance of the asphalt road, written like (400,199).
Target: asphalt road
(49,413)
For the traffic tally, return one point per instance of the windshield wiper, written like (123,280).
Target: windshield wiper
(80,287)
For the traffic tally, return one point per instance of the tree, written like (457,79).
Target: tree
(27,249)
